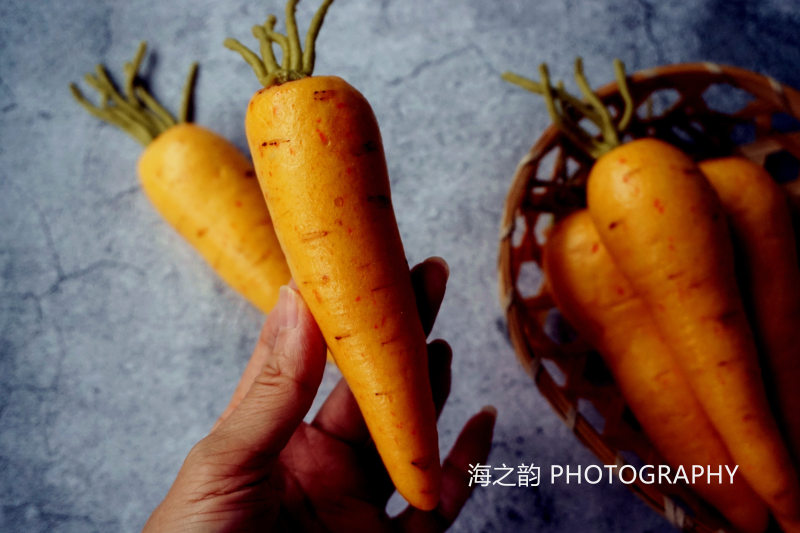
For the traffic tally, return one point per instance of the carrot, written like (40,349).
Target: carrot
(760,216)
(665,229)
(200,183)
(601,305)
(663,225)
(319,158)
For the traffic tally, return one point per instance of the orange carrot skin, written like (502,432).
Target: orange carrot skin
(664,226)
(319,158)
(601,305)
(207,190)
(759,213)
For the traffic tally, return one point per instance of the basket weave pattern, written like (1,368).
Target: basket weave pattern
(705,109)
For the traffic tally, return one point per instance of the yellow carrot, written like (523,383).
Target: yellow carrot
(207,190)
(601,305)
(319,158)
(761,220)
(666,231)
(200,183)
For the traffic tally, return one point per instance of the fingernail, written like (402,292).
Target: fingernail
(289,306)
(442,264)
(490,409)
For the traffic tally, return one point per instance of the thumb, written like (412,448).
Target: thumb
(284,387)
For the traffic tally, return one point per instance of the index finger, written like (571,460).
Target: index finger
(429,280)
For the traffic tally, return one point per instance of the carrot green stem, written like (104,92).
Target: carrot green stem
(139,131)
(309,55)
(606,125)
(260,33)
(293,36)
(133,109)
(286,52)
(132,68)
(559,118)
(296,62)
(562,95)
(160,116)
(625,93)
(566,111)
(251,58)
(184,115)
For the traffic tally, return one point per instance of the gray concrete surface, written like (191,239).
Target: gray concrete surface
(119,347)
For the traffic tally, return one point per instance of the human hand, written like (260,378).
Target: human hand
(261,468)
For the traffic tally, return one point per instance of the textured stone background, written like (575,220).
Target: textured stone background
(119,347)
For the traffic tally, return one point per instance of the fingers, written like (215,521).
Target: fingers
(471,447)
(280,381)
(276,319)
(340,416)
(429,280)
(440,358)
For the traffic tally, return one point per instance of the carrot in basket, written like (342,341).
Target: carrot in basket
(601,305)
(665,229)
(200,183)
(759,213)
(319,158)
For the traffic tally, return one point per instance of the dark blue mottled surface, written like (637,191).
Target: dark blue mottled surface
(119,347)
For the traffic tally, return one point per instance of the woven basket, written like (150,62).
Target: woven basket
(706,110)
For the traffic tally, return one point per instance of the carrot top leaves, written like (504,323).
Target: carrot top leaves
(133,109)
(567,111)
(296,62)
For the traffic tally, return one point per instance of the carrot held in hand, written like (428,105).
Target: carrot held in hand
(200,183)
(759,213)
(601,305)
(319,158)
